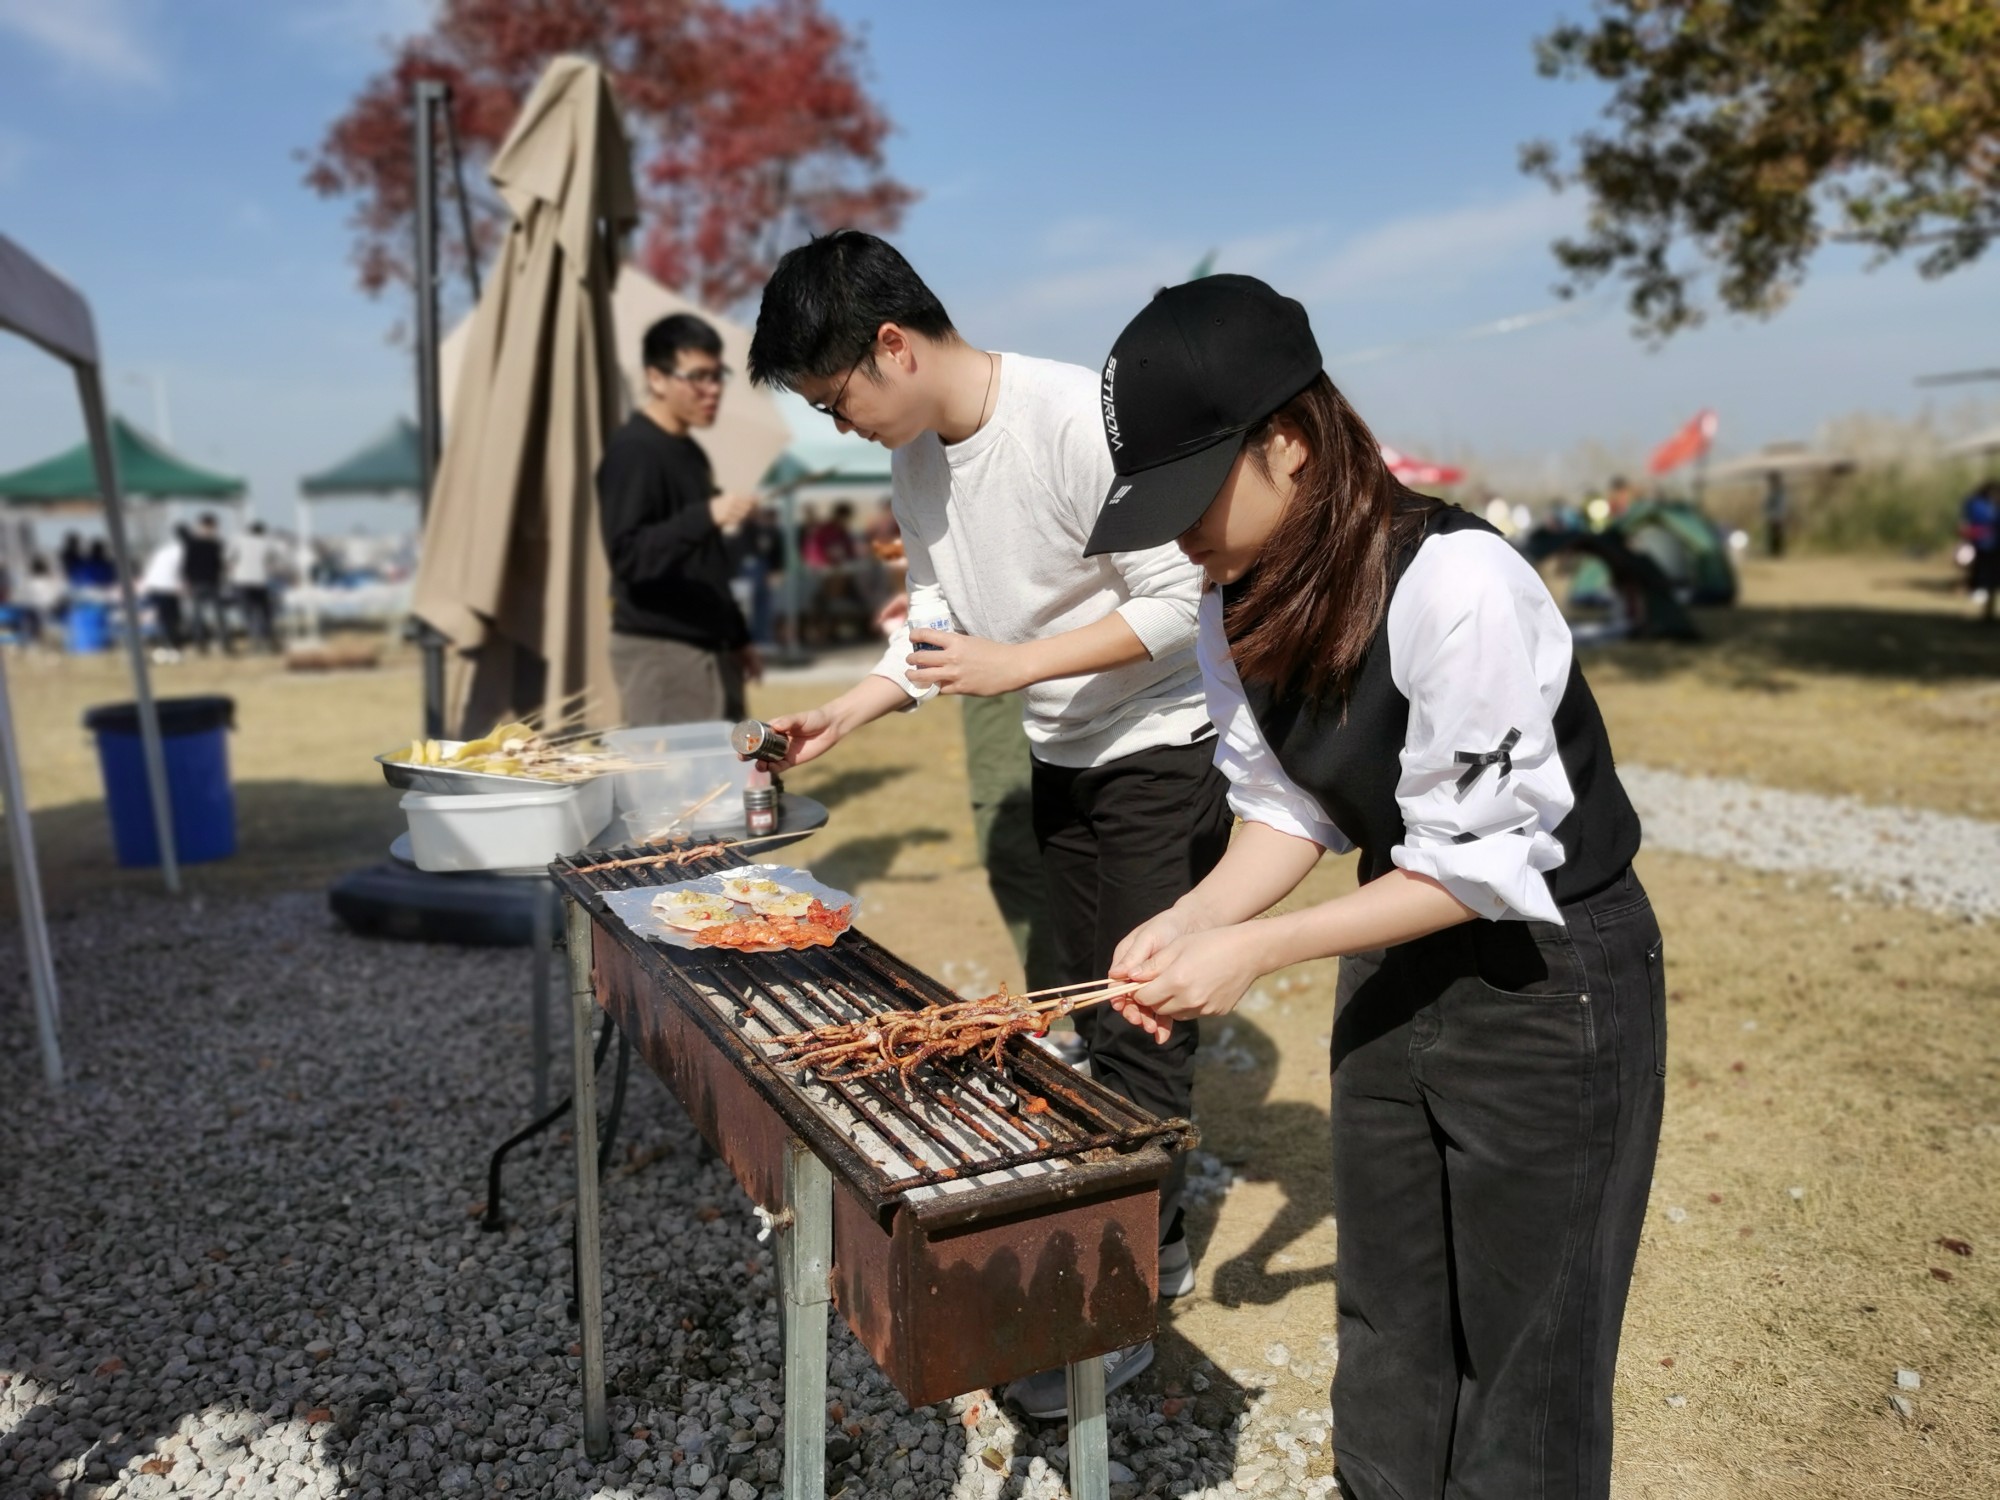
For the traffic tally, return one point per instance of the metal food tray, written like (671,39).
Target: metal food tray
(448,779)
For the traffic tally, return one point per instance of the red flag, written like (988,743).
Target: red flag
(1689,443)
(1413,470)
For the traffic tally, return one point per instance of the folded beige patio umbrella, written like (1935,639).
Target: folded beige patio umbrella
(513,574)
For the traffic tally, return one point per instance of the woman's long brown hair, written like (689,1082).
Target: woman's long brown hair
(1321,583)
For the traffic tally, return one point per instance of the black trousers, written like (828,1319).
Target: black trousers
(1496,1108)
(1121,843)
(259,617)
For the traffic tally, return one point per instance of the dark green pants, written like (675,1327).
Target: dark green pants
(1000,770)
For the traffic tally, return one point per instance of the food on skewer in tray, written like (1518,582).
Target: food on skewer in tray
(904,1040)
(516,749)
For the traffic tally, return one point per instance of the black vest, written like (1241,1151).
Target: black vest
(1352,764)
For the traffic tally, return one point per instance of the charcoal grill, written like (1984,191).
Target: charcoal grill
(973,1224)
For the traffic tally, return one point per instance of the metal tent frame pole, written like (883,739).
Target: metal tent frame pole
(105,459)
(28,887)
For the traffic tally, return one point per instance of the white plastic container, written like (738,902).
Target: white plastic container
(504,830)
(692,760)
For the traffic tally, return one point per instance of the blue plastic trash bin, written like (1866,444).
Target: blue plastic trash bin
(194,735)
(88,628)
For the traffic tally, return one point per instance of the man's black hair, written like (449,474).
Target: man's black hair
(825,302)
(666,338)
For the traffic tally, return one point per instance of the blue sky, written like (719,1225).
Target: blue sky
(1072,157)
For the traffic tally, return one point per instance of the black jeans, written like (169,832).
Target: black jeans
(1496,1109)
(1122,842)
(209,620)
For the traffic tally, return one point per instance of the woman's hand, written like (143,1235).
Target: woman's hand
(1136,951)
(812,734)
(1201,974)
(967,664)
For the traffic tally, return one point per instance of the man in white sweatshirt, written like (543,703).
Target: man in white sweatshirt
(1000,467)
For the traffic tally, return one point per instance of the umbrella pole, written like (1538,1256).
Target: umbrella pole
(430,97)
(28,887)
(135,648)
(795,651)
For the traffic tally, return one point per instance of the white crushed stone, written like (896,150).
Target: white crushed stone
(1902,855)
(237,1256)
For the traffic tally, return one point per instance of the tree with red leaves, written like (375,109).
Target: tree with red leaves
(750,129)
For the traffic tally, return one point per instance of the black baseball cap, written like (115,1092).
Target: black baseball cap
(1203,363)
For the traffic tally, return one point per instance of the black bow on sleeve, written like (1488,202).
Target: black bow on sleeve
(1476,761)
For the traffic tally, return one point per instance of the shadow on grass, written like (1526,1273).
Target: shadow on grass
(290,835)
(849,864)
(1752,643)
(1284,1141)
(848,782)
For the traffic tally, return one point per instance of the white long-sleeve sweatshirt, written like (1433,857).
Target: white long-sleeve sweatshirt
(994,528)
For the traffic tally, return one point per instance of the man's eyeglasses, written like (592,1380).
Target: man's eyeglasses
(832,408)
(717,376)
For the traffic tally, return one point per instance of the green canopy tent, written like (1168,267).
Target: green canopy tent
(389,464)
(146,467)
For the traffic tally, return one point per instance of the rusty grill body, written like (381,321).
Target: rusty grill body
(988,1222)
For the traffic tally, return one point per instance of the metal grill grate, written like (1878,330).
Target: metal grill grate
(955,1122)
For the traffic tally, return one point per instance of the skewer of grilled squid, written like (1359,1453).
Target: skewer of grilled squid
(902,1041)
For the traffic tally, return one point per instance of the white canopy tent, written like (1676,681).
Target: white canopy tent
(47,311)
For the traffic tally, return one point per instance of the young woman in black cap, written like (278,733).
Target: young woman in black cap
(1388,674)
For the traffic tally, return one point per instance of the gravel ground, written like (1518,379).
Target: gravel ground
(1900,855)
(238,1255)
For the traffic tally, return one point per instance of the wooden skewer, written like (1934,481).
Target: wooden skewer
(667,828)
(670,857)
(1060,989)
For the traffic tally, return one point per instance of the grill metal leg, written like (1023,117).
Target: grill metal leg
(1089,1457)
(805,1264)
(589,1264)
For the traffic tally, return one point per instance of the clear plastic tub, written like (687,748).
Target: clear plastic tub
(689,762)
(504,830)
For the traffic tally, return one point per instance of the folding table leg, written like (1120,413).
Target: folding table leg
(805,1264)
(589,1266)
(1089,1458)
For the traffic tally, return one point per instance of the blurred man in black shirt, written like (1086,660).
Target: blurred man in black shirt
(202,572)
(680,648)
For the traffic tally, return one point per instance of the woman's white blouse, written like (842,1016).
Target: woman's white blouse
(1478,647)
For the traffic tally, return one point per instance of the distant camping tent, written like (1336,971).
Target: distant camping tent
(49,313)
(146,467)
(1690,548)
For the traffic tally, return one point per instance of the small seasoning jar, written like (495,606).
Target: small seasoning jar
(760,809)
(753,739)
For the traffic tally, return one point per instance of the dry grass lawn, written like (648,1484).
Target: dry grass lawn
(1833,1121)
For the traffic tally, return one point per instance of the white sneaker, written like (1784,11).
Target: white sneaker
(1045,1397)
(1176,1268)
